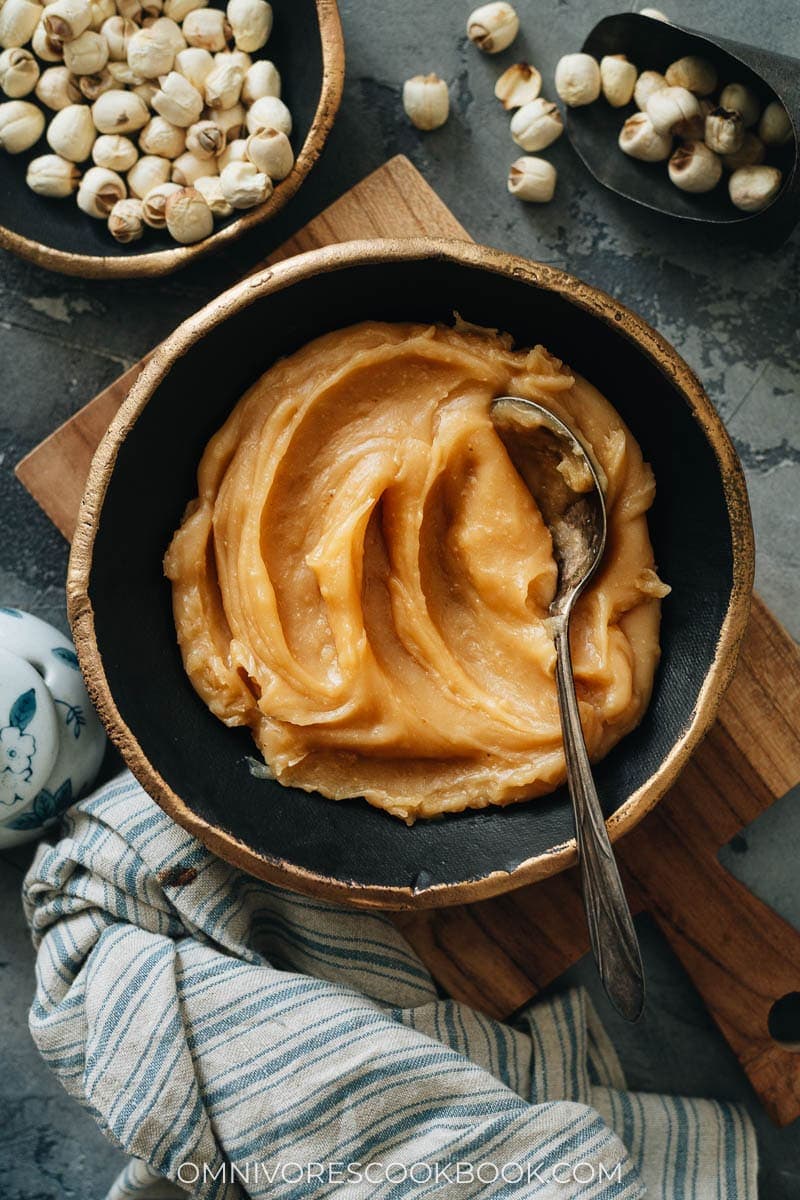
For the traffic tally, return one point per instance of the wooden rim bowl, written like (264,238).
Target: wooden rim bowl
(100,257)
(144,472)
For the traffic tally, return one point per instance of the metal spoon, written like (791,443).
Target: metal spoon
(564,481)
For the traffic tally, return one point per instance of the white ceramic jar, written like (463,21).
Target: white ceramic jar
(51,741)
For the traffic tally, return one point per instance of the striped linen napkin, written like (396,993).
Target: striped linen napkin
(240,1041)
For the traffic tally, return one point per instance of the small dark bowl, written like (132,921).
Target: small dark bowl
(594,128)
(145,472)
(308,49)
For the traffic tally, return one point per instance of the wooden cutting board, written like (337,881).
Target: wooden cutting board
(499,953)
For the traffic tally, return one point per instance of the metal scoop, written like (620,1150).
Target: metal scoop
(564,481)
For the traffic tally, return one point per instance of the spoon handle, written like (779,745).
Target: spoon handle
(611,931)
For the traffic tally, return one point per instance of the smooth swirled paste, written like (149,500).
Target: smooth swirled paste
(364,579)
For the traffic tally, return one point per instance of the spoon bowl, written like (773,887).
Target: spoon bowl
(561,474)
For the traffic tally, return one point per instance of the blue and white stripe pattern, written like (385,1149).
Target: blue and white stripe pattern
(240,1041)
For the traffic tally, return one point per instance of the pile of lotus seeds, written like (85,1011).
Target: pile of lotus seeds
(154,110)
(713,135)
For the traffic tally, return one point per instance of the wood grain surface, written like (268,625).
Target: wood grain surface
(497,954)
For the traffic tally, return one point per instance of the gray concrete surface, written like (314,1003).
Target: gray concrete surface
(732,313)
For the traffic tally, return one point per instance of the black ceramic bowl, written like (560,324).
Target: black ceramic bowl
(307,47)
(594,128)
(144,474)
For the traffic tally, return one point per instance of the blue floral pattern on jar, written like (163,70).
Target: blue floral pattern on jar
(17,747)
(51,742)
